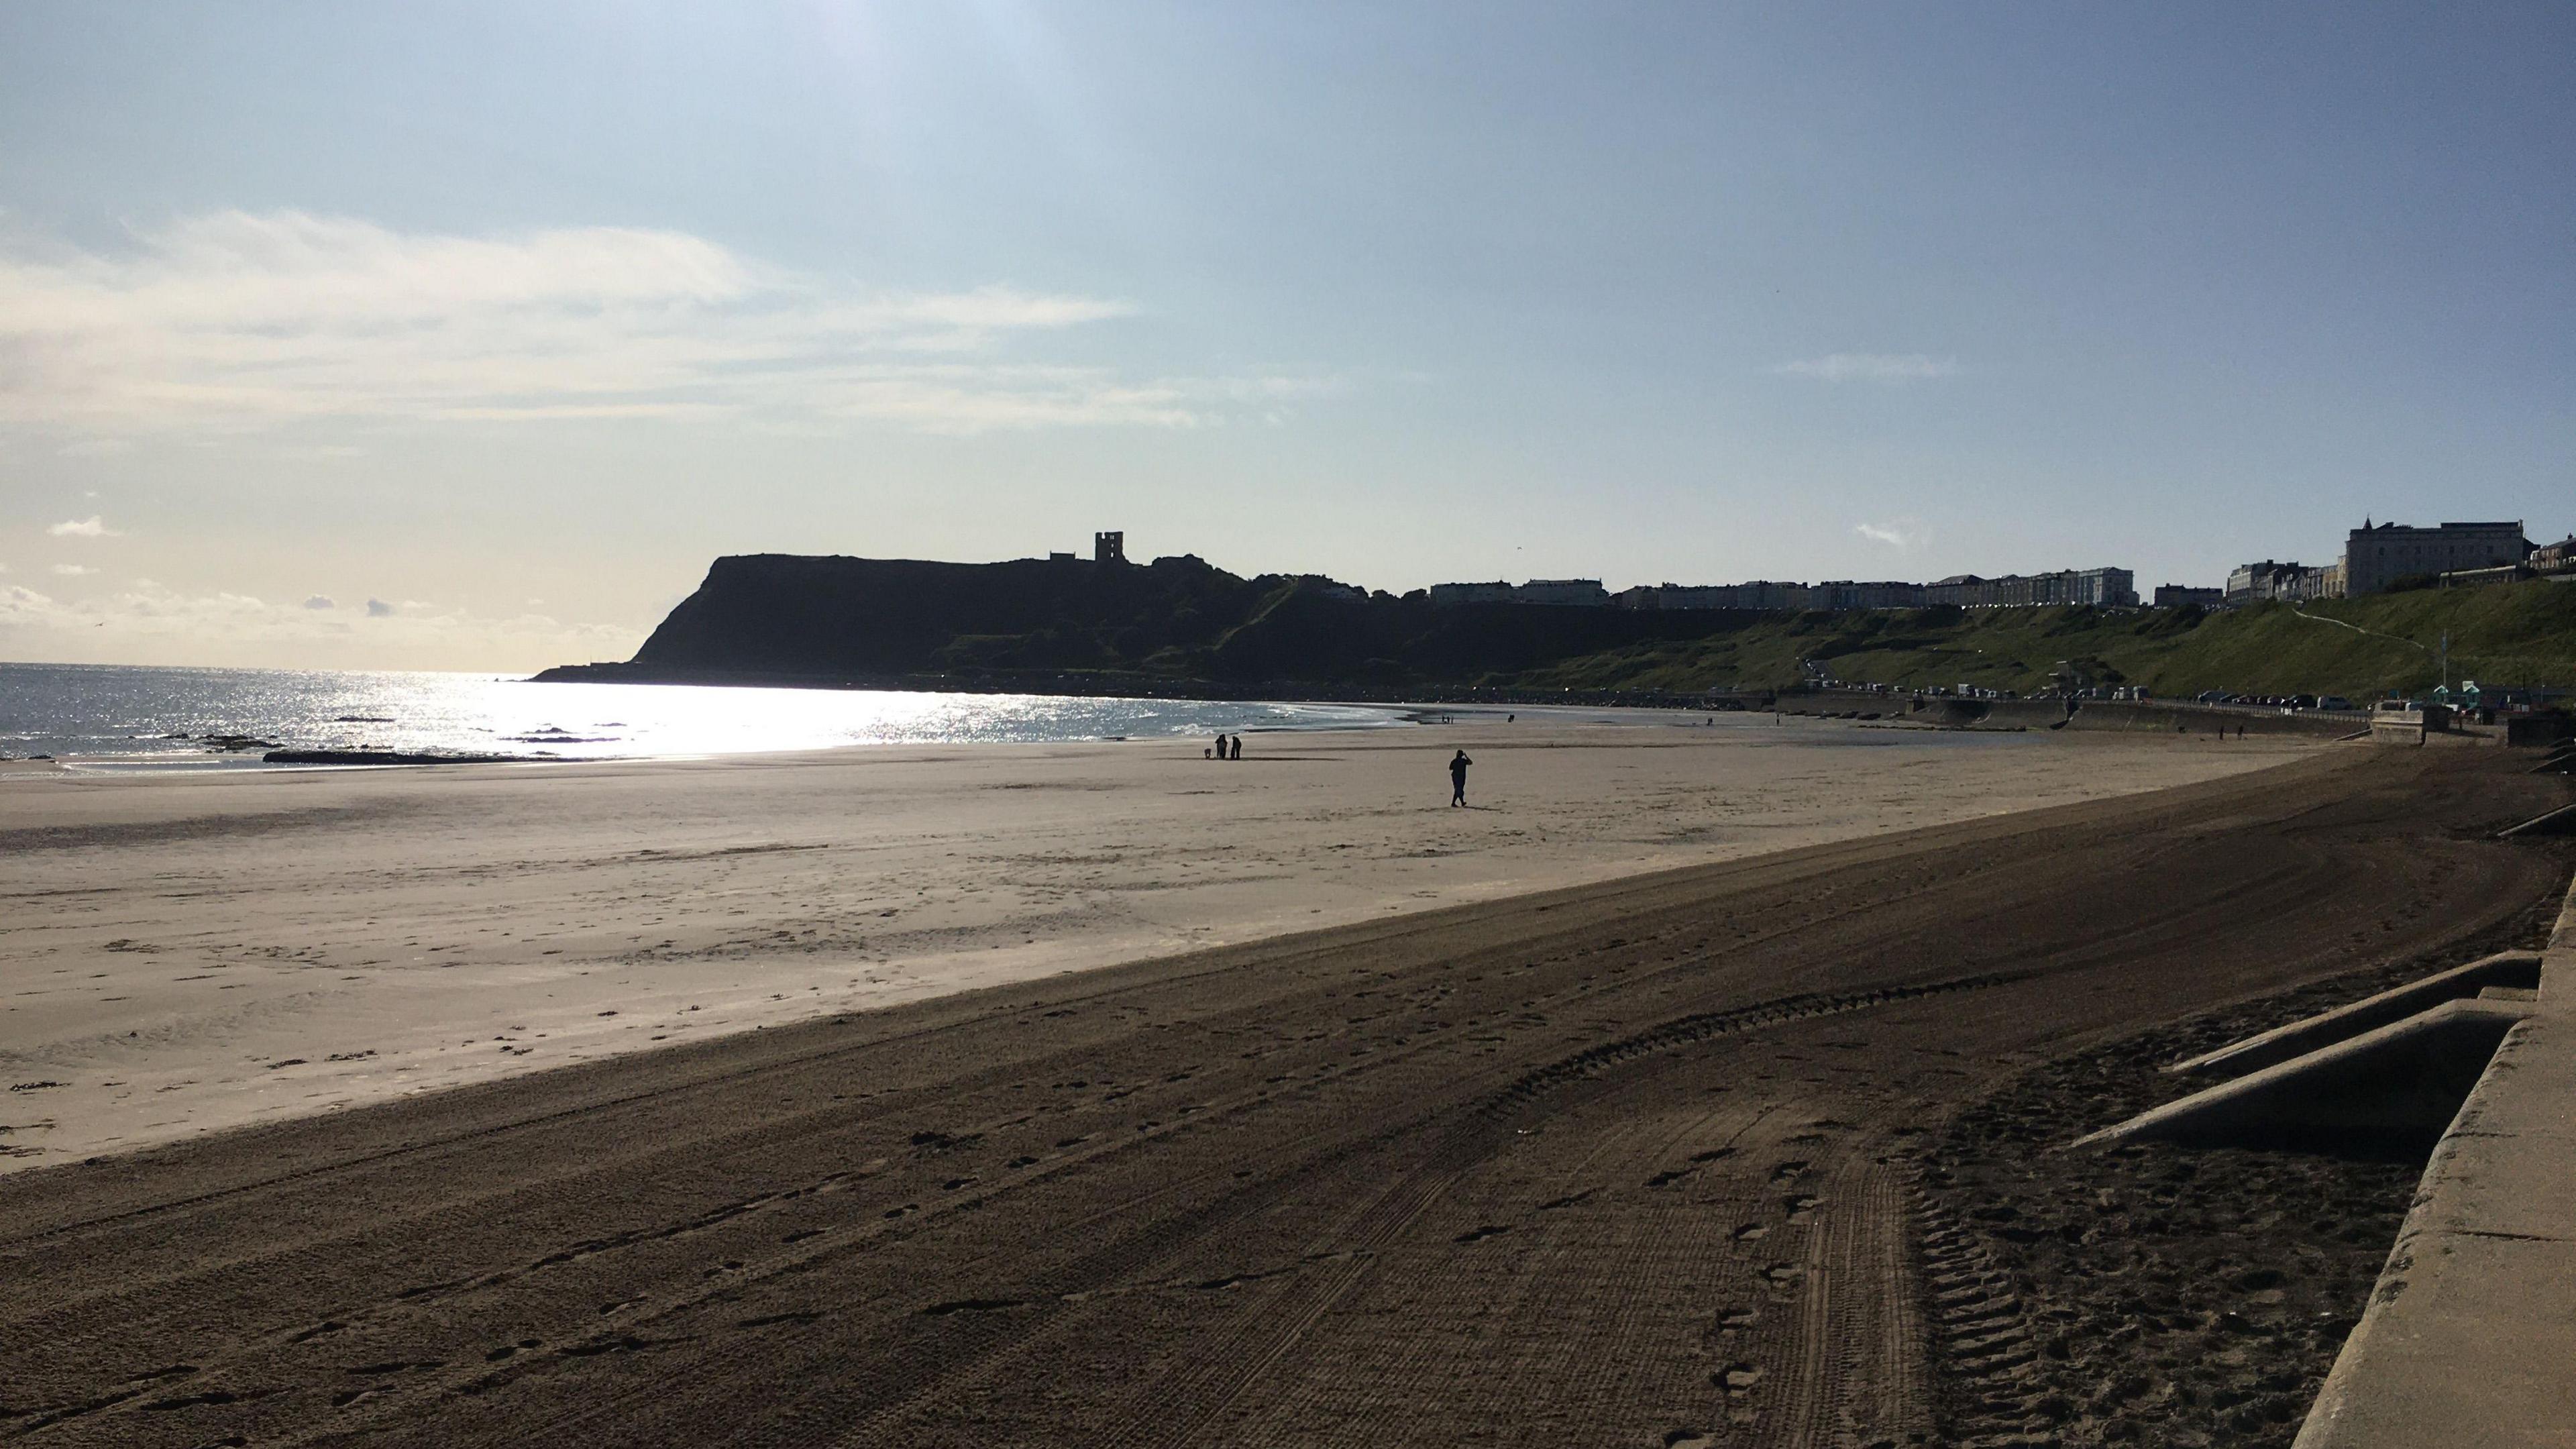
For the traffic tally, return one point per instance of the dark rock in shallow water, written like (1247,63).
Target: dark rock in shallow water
(362,719)
(235,744)
(386,757)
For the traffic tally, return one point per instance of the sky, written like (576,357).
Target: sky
(466,335)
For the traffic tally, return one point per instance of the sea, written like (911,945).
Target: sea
(122,717)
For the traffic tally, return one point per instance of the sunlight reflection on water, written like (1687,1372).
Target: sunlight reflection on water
(132,714)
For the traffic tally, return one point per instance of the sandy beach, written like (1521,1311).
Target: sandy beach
(185,953)
(1653,1160)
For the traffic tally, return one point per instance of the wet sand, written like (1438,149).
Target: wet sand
(1628,1163)
(180,955)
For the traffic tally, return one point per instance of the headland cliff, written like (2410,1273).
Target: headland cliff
(1182,627)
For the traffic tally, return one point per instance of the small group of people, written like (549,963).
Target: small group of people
(1230,747)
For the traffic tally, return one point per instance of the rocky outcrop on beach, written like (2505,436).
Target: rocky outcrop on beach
(387,757)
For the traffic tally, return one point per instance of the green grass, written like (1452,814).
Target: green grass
(2520,634)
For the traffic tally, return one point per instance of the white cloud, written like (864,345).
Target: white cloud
(149,622)
(73,571)
(1902,534)
(1870,367)
(236,320)
(320,601)
(90,527)
(379,609)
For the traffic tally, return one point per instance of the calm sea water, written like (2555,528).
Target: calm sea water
(120,716)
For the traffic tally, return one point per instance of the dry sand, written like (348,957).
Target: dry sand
(2153,1293)
(180,954)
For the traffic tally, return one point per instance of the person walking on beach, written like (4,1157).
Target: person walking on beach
(1238,748)
(1458,778)
(1220,747)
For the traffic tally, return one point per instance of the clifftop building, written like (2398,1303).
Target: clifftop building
(2117,587)
(2254,583)
(1847,594)
(1581,593)
(1449,595)
(2375,557)
(1584,593)
(2108,587)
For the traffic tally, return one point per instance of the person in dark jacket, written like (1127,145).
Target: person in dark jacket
(1458,778)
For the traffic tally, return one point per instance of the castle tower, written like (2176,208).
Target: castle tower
(1109,547)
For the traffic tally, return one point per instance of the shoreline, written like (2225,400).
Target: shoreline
(199,950)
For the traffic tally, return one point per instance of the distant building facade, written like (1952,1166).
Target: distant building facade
(1767,594)
(2183,596)
(1109,547)
(2256,583)
(2289,583)
(2109,587)
(1759,594)
(1444,596)
(1677,596)
(2103,587)
(1586,593)
(1847,594)
(2376,556)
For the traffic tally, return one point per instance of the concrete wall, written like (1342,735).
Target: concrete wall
(2149,717)
(2470,1338)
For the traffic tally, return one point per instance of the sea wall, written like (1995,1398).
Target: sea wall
(2146,717)
(2161,718)
(2472,1326)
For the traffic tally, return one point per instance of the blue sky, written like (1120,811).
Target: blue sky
(504,320)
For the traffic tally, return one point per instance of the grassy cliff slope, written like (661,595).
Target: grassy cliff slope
(2523,634)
